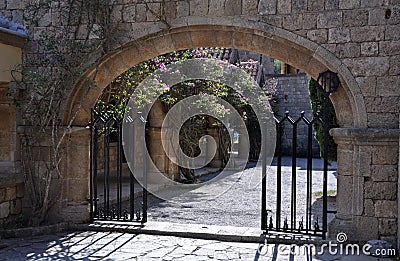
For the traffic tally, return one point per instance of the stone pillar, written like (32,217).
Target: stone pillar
(154,144)
(216,161)
(367,184)
(74,202)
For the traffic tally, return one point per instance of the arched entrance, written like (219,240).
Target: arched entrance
(270,41)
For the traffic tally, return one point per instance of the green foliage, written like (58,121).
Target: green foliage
(317,101)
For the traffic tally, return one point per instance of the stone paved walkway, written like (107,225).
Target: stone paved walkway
(239,198)
(121,246)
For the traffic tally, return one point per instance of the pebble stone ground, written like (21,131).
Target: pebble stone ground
(239,198)
(120,246)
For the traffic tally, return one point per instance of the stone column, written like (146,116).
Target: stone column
(74,202)
(367,184)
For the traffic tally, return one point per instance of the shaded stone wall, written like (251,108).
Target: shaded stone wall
(293,97)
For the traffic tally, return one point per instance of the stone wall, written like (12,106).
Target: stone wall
(11,196)
(293,97)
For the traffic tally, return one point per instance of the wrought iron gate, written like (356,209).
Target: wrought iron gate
(276,219)
(115,194)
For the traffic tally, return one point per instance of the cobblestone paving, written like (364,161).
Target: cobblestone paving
(240,204)
(120,246)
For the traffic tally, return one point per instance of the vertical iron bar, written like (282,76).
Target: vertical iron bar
(144,202)
(105,171)
(95,168)
(91,166)
(294,156)
(131,176)
(119,171)
(279,177)
(325,185)
(263,185)
(309,176)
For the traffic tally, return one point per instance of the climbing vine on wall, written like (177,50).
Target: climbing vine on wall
(64,39)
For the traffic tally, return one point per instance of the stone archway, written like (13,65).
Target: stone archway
(273,42)
(270,41)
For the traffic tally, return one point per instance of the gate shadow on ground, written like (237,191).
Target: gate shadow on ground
(74,246)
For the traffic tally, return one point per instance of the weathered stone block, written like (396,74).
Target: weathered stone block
(384,172)
(318,35)
(233,7)
(293,22)
(368,66)
(345,158)
(332,5)
(249,7)
(384,155)
(389,48)
(348,50)
(369,49)
(4,209)
(329,19)
(153,12)
(355,18)
(388,86)
(310,21)
(15,4)
(376,16)
(392,32)
(349,4)
(170,10)
(345,192)
(369,3)
(315,5)
(367,33)
(216,8)
(182,9)
(284,6)
(198,7)
(387,226)
(267,7)
(129,13)
(394,65)
(141,13)
(367,228)
(369,209)
(386,208)
(380,190)
(299,5)
(383,120)
(382,104)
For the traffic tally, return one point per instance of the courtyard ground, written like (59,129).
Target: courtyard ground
(122,246)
